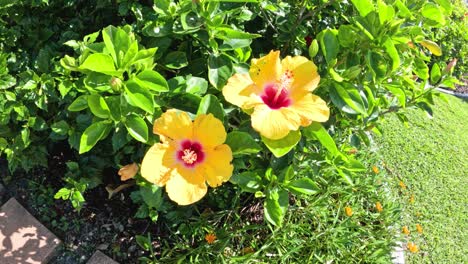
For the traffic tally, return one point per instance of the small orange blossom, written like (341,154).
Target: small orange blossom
(210,238)
(419,228)
(405,230)
(348,211)
(402,185)
(379,207)
(375,169)
(412,247)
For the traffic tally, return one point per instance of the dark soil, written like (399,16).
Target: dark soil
(463,88)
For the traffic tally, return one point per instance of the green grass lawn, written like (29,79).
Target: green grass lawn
(431,158)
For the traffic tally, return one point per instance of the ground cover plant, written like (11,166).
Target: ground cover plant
(231,119)
(427,161)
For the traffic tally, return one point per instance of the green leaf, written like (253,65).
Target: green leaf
(248,181)
(99,62)
(92,135)
(347,98)
(7,81)
(130,54)
(426,107)
(25,136)
(63,193)
(364,7)
(282,146)
(421,69)
(432,47)
(61,127)
(345,176)
(329,44)
(275,206)
(377,63)
(386,12)
(139,96)
(184,101)
(143,242)
(120,45)
(176,60)
(435,73)
(303,186)
(397,91)
(79,104)
(98,106)
(114,103)
(433,12)
(393,53)
(144,55)
(219,70)
(211,104)
(317,131)
(108,37)
(77,200)
(196,85)
(152,80)
(98,82)
(446,5)
(137,127)
(403,10)
(119,138)
(152,195)
(3,144)
(242,143)
(347,35)
(227,33)
(191,21)
(335,76)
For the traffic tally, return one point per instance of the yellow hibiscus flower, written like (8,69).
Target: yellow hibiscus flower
(278,91)
(190,155)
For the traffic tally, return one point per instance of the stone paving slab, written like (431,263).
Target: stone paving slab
(100,258)
(23,239)
(398,254)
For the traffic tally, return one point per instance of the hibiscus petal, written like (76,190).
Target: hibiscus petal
(274,124)
(304,72)
(218,167)
(241,91)
(266,69)
(311,108)
(174,124)
(209,131)
(156,165)
(183,192)
(193,175)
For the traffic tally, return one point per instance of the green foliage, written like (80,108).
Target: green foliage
(96,76)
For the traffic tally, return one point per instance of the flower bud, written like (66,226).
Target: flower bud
(128,171)
(451,65)
(116,84)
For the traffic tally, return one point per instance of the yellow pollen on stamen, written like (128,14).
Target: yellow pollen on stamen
(189,156)
(285,82)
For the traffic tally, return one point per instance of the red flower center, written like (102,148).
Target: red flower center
(276,95)
(190,153)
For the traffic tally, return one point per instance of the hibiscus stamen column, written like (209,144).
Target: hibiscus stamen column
(285,83)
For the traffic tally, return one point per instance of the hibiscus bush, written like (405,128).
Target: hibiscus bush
(220,105)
